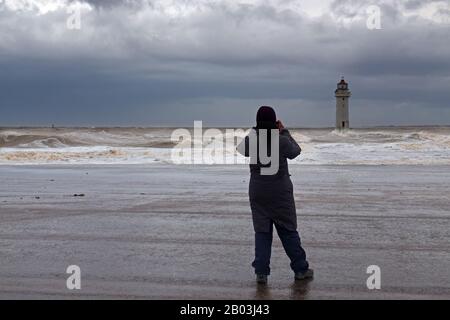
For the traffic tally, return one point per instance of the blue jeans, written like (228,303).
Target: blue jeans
(291,244)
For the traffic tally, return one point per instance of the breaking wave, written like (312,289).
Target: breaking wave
(375,146)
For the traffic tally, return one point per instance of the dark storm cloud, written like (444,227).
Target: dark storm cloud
(171,62)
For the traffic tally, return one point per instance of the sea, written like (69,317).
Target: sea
(428,145)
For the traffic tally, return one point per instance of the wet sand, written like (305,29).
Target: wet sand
(185,232)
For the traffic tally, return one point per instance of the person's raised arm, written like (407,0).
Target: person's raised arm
(289,148)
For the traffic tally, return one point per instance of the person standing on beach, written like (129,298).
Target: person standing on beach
(272,199)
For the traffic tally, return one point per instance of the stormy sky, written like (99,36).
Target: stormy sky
(170,62)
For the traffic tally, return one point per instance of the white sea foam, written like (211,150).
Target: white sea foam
(414,145)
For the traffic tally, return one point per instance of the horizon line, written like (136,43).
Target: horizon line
(219,127)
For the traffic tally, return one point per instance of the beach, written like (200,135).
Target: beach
(165,231)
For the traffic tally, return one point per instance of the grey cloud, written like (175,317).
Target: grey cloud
(131,63)
(111,3)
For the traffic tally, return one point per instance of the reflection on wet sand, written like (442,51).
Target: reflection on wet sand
(299,290)
(262,292)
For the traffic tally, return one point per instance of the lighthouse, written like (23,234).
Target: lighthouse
(342,95)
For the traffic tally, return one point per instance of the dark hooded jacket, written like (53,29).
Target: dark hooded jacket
(271,196)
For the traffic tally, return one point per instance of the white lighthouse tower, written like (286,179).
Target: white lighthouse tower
(342,95)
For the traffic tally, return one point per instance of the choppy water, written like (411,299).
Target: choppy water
(374,146)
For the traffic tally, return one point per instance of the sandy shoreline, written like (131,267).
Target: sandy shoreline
(183,232)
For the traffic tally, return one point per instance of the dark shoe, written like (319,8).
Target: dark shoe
(308,274)
(261,278)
